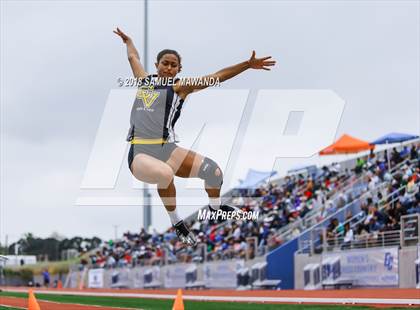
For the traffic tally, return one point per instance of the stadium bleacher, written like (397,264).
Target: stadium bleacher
(331,207)
(298,200)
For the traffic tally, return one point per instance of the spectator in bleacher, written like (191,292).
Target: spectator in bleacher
(391,225)
(342,200)
(380,216)
(264,232)
(127,258)
(372,213)
(395,156)
(348,236)
(404,152)
(144,235)
(372,155)
(413,152)
(415,208)
(385,158)
(361,233)
(236,231)
(111,261)
(373,225)
(379,198)
(364,209)
(387,214)
(331,230)
(400,210)
(360,162)
(374,180)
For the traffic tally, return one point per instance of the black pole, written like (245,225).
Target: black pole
(147,211)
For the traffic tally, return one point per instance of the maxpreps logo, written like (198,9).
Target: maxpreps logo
(148,96)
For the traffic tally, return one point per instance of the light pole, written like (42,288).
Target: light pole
(147,211)
(116,232)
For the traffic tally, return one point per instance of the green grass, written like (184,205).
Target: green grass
(167,304)
(8,308)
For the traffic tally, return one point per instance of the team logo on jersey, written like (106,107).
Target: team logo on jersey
(148,95)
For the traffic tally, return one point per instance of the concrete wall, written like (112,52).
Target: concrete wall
(406,270)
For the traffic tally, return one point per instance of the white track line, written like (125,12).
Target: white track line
(13,307)
(298,300)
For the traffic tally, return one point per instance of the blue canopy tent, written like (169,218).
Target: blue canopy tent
(394,137)
(254,178)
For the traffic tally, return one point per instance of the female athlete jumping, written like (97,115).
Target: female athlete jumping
(154,157)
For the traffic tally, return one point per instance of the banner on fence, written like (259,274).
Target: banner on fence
(222,274)
(137,277)
(118,278)
(367,267)
(176,275)
(151,275)
(96,278)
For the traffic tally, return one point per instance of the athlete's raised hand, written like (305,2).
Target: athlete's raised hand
(133,55)
(123,36)
(261,63)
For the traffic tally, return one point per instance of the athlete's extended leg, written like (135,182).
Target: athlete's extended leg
(151,170)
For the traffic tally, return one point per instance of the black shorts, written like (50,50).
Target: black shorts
(158,151)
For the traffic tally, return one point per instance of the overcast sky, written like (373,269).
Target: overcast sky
(60,61)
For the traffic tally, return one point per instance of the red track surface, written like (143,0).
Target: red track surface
(353,293)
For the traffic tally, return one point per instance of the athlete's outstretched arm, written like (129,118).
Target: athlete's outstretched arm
(133,55)
(263,63)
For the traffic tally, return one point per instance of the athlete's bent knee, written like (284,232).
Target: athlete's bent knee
(211,173)
(165,177)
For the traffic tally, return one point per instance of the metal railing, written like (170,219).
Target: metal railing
(372,240)
(306,238)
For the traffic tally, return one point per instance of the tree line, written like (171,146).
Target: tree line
(50,248)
